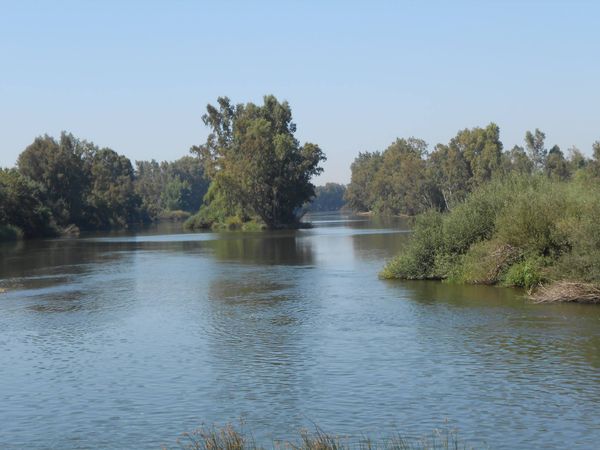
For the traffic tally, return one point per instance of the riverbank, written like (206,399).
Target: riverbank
(529,232)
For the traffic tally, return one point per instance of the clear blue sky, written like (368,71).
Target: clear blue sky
(136,76)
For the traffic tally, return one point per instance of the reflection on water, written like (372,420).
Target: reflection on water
(125,340)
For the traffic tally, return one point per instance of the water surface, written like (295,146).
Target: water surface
(128,340)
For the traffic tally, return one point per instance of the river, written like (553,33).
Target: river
(126,340)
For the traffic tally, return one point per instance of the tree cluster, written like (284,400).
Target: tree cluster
(408,179)
(259,171)
(68,182)
(65,182)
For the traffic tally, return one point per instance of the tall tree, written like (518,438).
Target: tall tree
(22,204)
(577,160)
(360,195)
(112,201)
(400,184)
(557,166)
(450,172)
(482,148)
(59,167)
(594,165)
(519,162)
(535,144)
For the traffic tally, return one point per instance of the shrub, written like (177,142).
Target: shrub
(418,260)
(485,262)
(527,274)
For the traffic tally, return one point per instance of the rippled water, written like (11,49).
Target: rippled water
(125,341)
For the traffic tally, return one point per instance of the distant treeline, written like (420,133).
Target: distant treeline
(407,179)
(329,197)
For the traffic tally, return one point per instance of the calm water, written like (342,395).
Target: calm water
(125,341)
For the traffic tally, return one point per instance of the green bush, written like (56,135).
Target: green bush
(418,260)
(531,220)
(484,263)
(197,222)
(527,274)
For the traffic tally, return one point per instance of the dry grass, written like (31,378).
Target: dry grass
(226,438)
(567,291)
(229,438)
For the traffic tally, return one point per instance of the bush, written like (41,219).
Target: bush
(527,274)
(418,260)
(484,263)
(197,222)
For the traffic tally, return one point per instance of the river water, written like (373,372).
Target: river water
(128,340)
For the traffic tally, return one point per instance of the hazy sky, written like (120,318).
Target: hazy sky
(136,76)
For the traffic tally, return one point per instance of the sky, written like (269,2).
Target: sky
(136,76)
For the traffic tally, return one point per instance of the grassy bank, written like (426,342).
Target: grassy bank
(230,438)
(529,231)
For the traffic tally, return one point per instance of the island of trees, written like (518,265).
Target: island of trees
(260,174)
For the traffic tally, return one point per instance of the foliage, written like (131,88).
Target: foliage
(255,161)
(60,167)
(408,179)
(22,207)
(527,274)
(418,261)
(517,230)
(80,184)
(360,194)
(216,209)
(482,149)
(536,149)
(401,181)
(111,201)
(170,186)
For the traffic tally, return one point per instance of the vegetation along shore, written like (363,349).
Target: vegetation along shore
(526,217)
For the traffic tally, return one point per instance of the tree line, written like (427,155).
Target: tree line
(69,183)
(408,179)
(251,169)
